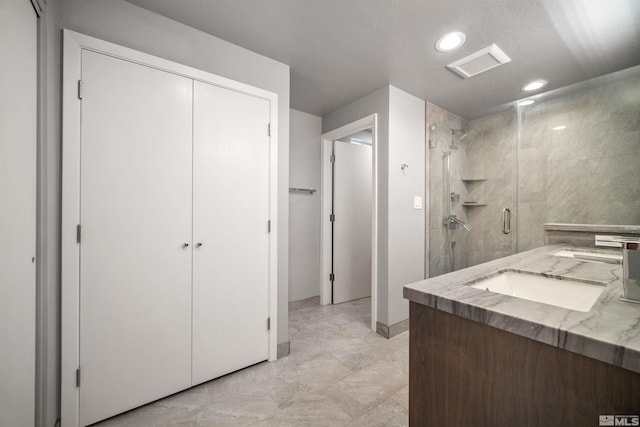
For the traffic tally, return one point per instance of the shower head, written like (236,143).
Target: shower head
(461,137)
(452,146)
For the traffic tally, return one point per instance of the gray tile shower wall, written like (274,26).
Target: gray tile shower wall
(586,172)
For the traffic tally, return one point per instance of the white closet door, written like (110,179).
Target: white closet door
(135,272)
(352,227)
(18,113)
(231,209)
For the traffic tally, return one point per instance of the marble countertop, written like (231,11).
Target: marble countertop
(609,332)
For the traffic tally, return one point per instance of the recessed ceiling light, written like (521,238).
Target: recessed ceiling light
(534,85)
(526,102)
(561,127)
(450,41)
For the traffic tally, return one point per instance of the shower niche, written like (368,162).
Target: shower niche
(473,186)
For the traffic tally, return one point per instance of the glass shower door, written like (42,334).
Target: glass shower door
(491,179)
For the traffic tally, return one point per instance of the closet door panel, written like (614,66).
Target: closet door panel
(135,273)
(231,210)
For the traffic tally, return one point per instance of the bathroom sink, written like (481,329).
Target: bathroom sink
(606,257)
(561,293)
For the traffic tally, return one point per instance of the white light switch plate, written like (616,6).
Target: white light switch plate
(417,202)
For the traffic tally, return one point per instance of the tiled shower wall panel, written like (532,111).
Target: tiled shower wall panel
(586,173)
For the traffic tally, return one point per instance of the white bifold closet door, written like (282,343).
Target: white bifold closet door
(135,267)
(230,231)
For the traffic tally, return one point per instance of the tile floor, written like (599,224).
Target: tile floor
(339,373)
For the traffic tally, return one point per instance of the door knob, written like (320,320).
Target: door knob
(199,244)
(185,245)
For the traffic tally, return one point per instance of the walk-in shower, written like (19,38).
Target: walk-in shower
(525,166)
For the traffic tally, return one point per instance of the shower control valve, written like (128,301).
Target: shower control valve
(452,222)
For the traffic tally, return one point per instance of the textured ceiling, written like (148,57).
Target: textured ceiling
(339,50)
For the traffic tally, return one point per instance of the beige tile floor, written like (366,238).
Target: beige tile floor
(339,373)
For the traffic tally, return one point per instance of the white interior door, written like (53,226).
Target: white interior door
(352,189)
(18,125)
(231,210)
(135,270)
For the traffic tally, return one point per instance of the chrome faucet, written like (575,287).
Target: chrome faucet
(452,223)
(630,269)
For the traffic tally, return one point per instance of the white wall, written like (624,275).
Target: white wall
(18,126)
(375,102)
(123,23)
(401,229)
(304,209)
(406,224)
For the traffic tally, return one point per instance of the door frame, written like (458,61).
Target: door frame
(368,122)
(73,45)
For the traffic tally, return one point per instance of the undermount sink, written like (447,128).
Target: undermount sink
(606,257)
(569,294)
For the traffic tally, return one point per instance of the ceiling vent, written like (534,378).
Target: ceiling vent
(479,62)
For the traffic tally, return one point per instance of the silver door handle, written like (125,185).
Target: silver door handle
(185,245)
(506,220)
(198,244)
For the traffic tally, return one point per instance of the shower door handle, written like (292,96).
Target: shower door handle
(506,220)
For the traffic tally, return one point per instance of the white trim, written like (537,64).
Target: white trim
(327,139)
(73,44)
(70,292)
(273,238)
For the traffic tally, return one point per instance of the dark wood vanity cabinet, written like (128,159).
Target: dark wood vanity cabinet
(465,373)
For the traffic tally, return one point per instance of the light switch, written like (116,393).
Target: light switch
(417,202)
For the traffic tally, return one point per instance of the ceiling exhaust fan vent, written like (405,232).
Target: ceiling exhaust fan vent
(479,62)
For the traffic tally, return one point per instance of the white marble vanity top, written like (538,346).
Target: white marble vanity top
(609,332)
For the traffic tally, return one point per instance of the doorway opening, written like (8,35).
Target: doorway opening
(349,214)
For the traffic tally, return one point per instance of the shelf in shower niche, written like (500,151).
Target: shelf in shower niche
(473,179)
(471,204)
